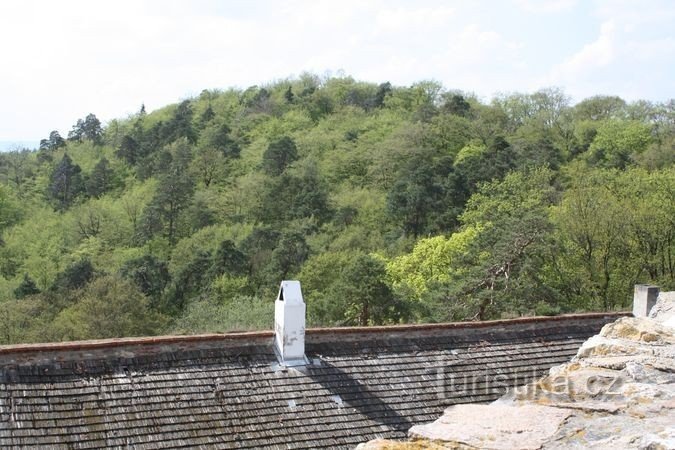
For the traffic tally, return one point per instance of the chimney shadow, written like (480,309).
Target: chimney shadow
(348,392)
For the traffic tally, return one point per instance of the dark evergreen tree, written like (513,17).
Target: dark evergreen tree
(258,247)
(288,95)
(207,116)
(54,142)
(279,155)
(173,195)
(150,274)
(92,129)
(75,276)
(65,183)
(89,128)
(288,256)
(345,216)
(180,124)
(162,162)
(309,198)
(26,288)
(383,90)
(419,194)
(44,156)
(199,215)
(101,179)
(290,197)
(261,101)
(493,163)
(188,283)
(77,133)
(218,136)
(153,139)
(365,296)
(456,104)
(228,259)
(129,150)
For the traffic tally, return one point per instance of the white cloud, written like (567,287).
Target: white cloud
(632,55)
(73,61)
(62,60)
(476,46)
(483,61)
(598,53)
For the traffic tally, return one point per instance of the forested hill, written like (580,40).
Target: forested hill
(390,204)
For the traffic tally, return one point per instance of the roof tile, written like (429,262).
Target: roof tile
(222,391)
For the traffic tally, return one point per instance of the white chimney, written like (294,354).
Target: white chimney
(289,325)
(644,299)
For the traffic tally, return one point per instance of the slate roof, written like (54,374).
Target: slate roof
(227,391)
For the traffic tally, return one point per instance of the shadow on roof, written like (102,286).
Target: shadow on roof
(348,392)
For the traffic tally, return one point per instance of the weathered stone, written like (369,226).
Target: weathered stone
(643,373)
(386,444)
(630,340)
(617,393)
(664,309)
(496,426)
(640,330)
(615,432)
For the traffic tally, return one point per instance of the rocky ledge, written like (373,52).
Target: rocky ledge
(617,393)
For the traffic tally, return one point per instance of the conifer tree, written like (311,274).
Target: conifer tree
(65,183)
(288,95)
(279,155)
(100,180)
(26,288)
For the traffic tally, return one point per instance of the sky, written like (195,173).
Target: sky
(61,60)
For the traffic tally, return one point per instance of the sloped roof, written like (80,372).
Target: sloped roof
(227,391)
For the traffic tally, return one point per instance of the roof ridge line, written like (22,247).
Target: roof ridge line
(472,324)
(255,335)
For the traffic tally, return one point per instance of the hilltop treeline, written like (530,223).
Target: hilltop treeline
(390,204)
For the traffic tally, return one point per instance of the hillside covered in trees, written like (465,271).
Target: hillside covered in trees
(390,204)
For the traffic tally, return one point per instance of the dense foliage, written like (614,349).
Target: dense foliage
(390,204)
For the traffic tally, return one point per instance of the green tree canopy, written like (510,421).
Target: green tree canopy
(109,307)
(149,274)
(54,142)
(26,288)
(101,179)
(66,183)
(279,155)
(90,128)
(617,142)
